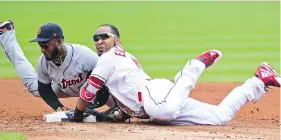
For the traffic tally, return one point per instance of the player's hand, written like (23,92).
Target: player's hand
(72,118)
(100,117)
(59,109)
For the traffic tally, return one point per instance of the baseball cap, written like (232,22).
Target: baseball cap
(48,32)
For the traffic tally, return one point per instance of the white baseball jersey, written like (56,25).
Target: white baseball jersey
(72,73)
(123,75)
(164,101)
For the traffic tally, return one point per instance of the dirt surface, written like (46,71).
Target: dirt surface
(21,112)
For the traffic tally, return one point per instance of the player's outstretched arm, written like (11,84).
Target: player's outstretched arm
(96,80)
(48,95)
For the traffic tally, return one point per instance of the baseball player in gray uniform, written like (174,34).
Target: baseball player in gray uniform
(61,70)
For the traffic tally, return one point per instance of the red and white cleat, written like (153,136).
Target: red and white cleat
(268,75)
(210,57)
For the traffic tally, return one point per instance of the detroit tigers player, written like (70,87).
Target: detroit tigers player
(66,65)
(159,99)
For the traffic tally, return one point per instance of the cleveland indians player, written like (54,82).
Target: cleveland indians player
(62,68)
(161,100)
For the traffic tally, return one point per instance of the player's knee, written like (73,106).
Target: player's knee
(222,118)
(222,121)
(225,118)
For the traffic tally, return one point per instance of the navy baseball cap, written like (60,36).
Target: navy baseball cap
(48,32)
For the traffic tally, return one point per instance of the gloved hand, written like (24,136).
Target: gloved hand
(115,114)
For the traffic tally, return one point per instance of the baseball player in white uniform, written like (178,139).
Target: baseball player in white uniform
(161,100)
(61,70)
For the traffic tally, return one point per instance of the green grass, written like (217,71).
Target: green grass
(12,136)
(162,35)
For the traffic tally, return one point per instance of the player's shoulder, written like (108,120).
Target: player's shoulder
(42,59)
(116,53)
(78,47)
(42,62)
(82,50)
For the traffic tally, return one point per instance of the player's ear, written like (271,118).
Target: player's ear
(117,40)
(59,40)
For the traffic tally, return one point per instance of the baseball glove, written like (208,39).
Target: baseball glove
(113,114)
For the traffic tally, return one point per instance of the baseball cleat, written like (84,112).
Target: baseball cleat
(6,26)
(268,75)
(210,57)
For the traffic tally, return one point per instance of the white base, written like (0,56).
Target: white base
(61,117)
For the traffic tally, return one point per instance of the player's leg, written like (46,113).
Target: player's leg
(15,54)
(196,112)
(252,90)
(164,101)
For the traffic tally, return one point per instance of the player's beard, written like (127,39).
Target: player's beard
(53,55)
(106,49)
(100,53)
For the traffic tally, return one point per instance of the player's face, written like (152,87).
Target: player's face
(49,49)
(104,39)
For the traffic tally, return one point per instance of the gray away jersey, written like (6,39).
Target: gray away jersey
(72,73)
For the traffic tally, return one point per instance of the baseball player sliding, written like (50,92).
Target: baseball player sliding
(61,70)
(161,100)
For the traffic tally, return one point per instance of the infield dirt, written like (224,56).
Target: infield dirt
(21,112)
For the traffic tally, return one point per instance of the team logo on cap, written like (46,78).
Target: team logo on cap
(39,31)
